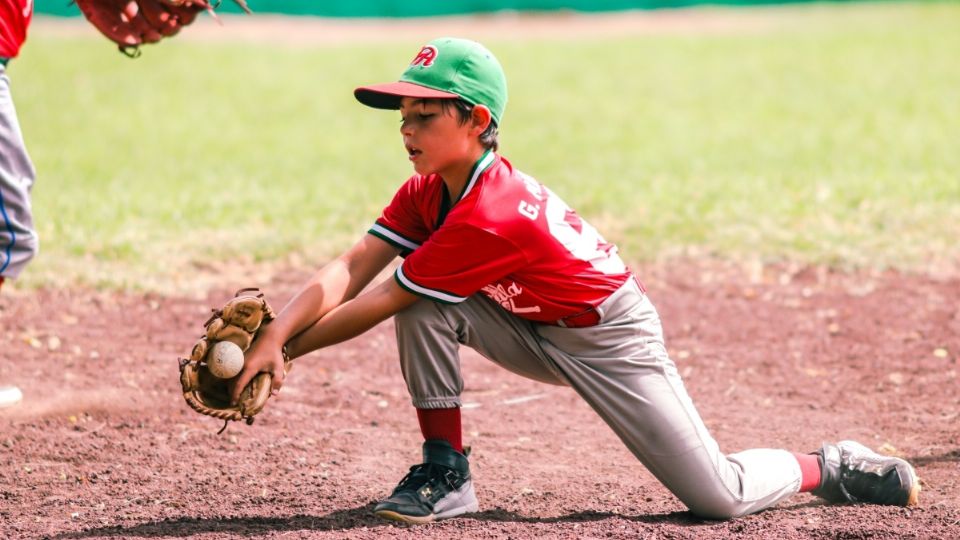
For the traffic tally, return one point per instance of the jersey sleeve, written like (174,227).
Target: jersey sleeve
(15,16)
(401,223)
(458,261)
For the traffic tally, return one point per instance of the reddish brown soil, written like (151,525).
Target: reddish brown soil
(103,445)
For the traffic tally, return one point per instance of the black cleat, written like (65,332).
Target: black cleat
(438,488)
(852,472)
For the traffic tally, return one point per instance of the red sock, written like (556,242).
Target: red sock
(809,471)
(442,424)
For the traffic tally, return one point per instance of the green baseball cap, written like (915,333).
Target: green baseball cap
(445,68)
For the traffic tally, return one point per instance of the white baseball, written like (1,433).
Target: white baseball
(225,359)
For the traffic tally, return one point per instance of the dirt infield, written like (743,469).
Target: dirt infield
(104,447)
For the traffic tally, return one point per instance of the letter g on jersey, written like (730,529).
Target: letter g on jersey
(528,210)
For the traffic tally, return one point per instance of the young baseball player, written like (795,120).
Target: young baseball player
(18,240)
(496,261)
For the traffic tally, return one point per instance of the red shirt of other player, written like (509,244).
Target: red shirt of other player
(15,17)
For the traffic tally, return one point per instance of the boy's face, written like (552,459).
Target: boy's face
(435,140)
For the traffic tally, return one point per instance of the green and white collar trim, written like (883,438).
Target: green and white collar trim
(479,167)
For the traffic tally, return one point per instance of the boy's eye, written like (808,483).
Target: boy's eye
(418,116)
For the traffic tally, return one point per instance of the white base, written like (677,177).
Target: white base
(10,396)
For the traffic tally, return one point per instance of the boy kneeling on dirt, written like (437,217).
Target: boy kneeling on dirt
(496,261)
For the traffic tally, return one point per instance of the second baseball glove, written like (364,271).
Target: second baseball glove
(239,321)
(131,23)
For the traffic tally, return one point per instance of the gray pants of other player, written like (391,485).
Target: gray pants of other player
(621,368)
(18,240)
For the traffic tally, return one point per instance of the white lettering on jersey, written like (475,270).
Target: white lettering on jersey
(505,296)
(532,185)
(580,238)
(27,8)
(530,210)
(575,234)
(527,210)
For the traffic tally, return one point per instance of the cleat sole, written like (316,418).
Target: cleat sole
(390,515)
(914,498)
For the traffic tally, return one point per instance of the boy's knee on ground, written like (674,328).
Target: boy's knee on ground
(711,505)
(719,500)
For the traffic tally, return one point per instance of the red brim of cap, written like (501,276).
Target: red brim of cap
(388,96)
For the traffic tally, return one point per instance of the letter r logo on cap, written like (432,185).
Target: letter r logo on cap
(425,57)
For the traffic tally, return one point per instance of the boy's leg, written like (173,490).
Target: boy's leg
(621,368)
(429,336)
(18,240)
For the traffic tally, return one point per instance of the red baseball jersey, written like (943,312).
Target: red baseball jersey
(15,17)
(507,236)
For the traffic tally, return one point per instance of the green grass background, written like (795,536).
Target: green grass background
(833,137)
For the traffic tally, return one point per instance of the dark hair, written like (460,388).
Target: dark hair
(464,112)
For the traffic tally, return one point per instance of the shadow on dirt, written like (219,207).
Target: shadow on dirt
(341,520)
(506,516)
(952,455)
(242,526)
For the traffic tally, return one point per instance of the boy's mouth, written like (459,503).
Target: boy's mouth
(413,153)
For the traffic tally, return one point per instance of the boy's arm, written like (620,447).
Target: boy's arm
(352,318)
(335,283)
(338,281)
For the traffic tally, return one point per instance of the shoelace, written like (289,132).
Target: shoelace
(424,473)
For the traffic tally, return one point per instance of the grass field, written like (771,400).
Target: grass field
(832,139)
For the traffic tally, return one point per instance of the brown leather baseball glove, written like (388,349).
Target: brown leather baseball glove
(131,23)
(239,321)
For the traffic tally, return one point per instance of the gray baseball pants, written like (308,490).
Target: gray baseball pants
(18,239)
(621,368)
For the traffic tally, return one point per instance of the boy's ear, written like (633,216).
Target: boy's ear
(480,118)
